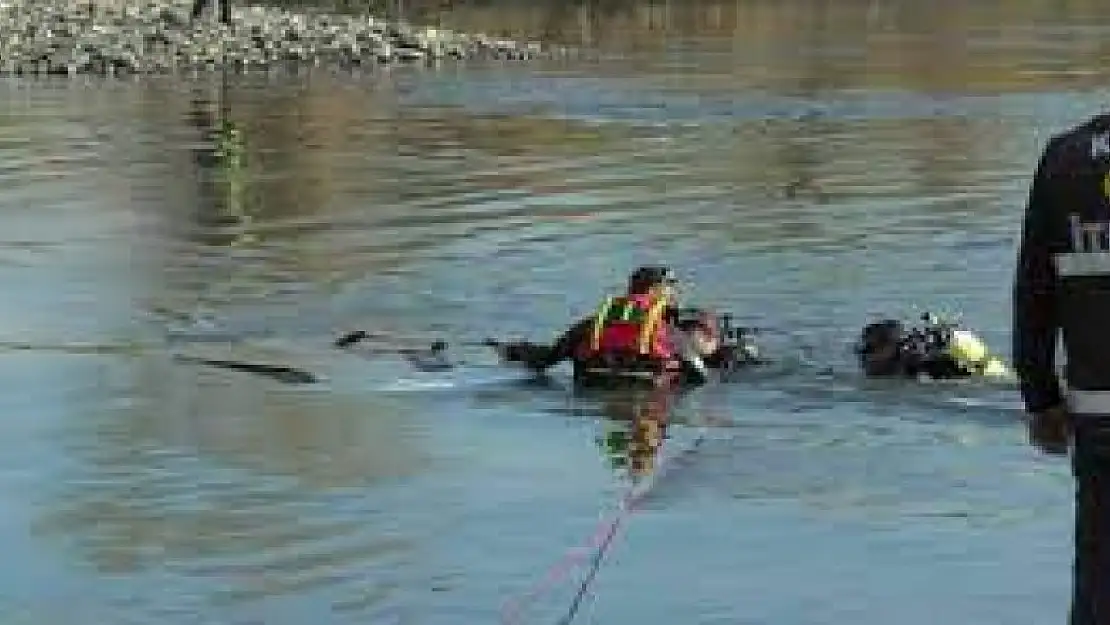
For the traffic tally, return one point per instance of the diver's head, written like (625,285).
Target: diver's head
(878,347)
(656,280)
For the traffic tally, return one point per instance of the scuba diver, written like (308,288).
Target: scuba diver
(939,350)
(642,338)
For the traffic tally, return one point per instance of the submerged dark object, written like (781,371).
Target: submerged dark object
(428,360)
(351,338)
(281,373)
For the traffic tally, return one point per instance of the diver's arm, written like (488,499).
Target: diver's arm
(1035,316)
(564,346)
(544,357)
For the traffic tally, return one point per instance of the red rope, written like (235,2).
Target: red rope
(597,545)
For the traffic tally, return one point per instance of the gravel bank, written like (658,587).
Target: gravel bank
(67,37)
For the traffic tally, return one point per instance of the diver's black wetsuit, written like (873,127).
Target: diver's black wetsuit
(913,366)
(1062,287)
(910,354)
(937,368)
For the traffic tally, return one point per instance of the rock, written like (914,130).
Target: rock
(133,36)
(410,54)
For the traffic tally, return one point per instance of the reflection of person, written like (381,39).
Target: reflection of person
(221,161)
(225,9)
(637,427)
(1061,289)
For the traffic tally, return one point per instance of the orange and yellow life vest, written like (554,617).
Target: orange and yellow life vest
(631,324)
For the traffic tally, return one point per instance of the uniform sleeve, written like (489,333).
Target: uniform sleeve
(1035,319)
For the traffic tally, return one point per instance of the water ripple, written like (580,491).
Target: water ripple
(804,174)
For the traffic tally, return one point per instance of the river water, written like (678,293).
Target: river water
(804,169)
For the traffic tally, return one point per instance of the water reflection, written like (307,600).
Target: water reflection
(223,210)
(483,177)
(901,43)
(211,475)
(635,427)
(423,204)
(263,175)
(208,214)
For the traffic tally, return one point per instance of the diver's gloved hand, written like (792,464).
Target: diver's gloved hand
(530,355)
(516,351)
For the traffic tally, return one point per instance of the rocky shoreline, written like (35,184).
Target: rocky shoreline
(156,37)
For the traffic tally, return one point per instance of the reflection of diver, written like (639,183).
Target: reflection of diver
(636,426)
(221,161)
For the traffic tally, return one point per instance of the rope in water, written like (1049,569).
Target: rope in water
(598,544)
(595,566)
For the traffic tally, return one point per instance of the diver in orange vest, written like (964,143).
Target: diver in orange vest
(637,338)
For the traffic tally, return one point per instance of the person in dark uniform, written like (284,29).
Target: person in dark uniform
(1062,287)
(225,9)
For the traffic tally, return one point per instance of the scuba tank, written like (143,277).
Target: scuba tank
(966,349)
(971,352)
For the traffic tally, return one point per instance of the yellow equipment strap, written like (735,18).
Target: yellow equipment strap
(647,331)
(599,323)
(651,324)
